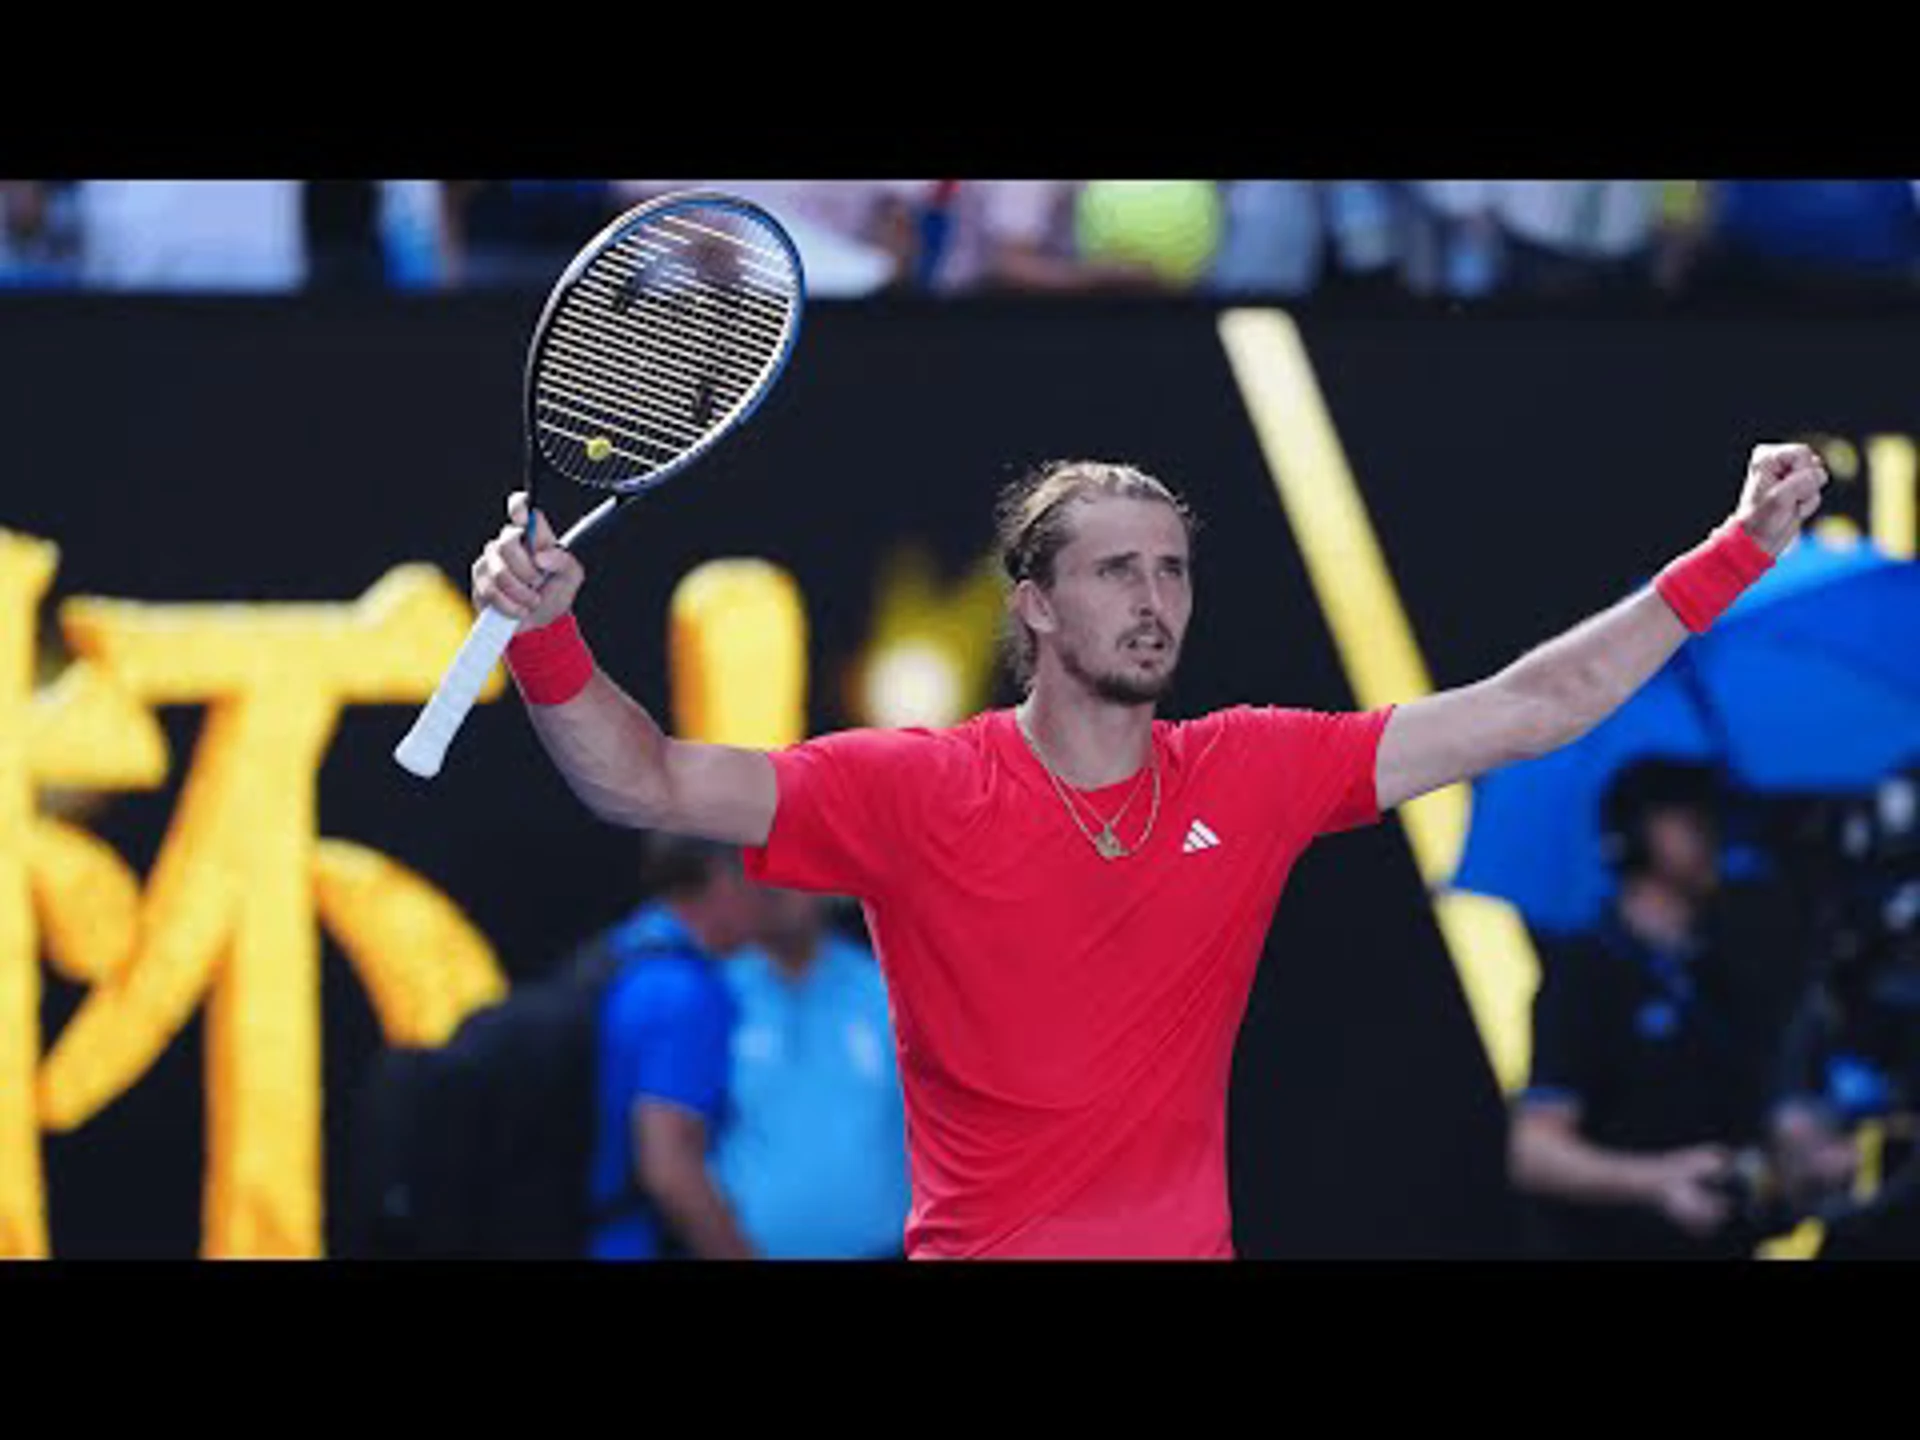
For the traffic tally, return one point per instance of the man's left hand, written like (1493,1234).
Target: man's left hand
(1781,494)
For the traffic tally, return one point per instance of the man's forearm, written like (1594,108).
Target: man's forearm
(1559,691)
(1549,1161)
(1578,678)
(700,1215)
(610,751)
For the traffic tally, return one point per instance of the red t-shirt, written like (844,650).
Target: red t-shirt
(1066,1023)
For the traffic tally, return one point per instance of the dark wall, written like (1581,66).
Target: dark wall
(1521,472)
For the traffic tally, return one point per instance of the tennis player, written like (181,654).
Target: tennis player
(1069,897)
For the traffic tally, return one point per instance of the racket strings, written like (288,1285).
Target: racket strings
(662,339)
(711,272)
(625,371)
(640,409)
(653,389)
(758,303)
(674,344)
(770,259)
(682,312)
(742,272)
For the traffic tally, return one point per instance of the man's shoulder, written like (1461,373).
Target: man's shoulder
(969,731)
(1233,727)
(1198,734)
(1246,718)
(665,982)
(912,749)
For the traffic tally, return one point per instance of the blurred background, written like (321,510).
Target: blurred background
(1618,240)
(262,426)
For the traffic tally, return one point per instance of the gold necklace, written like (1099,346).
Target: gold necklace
(1106,844)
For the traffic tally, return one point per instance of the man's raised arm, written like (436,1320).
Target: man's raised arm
(612,753)
(1559,691)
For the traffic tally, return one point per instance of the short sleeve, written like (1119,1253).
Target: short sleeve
(1571,1020)
(841,822)
(668,1040)
(1318,764)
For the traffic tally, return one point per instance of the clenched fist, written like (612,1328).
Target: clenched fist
(1782,492)
(535,589)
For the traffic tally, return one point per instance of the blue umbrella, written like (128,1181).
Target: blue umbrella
(1810,683)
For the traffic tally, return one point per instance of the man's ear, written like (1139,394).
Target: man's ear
(1032,605)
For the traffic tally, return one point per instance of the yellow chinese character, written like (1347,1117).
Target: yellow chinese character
(243,884)
(56,883)
(230,912)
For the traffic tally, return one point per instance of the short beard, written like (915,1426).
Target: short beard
(1118,689)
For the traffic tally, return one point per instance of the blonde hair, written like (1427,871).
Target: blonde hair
(1031,527)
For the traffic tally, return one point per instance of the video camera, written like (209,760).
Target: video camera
(1857,1041)
(1867,954)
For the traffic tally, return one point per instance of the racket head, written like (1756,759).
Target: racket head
(662,336)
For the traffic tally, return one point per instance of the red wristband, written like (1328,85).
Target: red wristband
(1702,583)
(551,665)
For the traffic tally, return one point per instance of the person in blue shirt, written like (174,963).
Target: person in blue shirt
(666,1022)
(815,1161)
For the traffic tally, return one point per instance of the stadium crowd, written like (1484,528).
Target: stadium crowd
(1452,240)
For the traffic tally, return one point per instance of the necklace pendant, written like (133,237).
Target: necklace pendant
(1108,844)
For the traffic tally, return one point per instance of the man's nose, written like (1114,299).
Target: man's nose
(1150,602)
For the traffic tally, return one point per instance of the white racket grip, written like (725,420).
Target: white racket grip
(425,745)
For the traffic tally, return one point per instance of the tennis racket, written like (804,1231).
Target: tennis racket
(661,337)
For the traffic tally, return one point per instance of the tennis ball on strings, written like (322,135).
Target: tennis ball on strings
(599,447)
(1171,225)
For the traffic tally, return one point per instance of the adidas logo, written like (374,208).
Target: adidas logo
(1199,837)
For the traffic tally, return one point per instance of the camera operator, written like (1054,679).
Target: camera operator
(1655,1040)
(1851,1063)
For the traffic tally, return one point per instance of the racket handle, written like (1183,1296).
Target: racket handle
(425,745)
